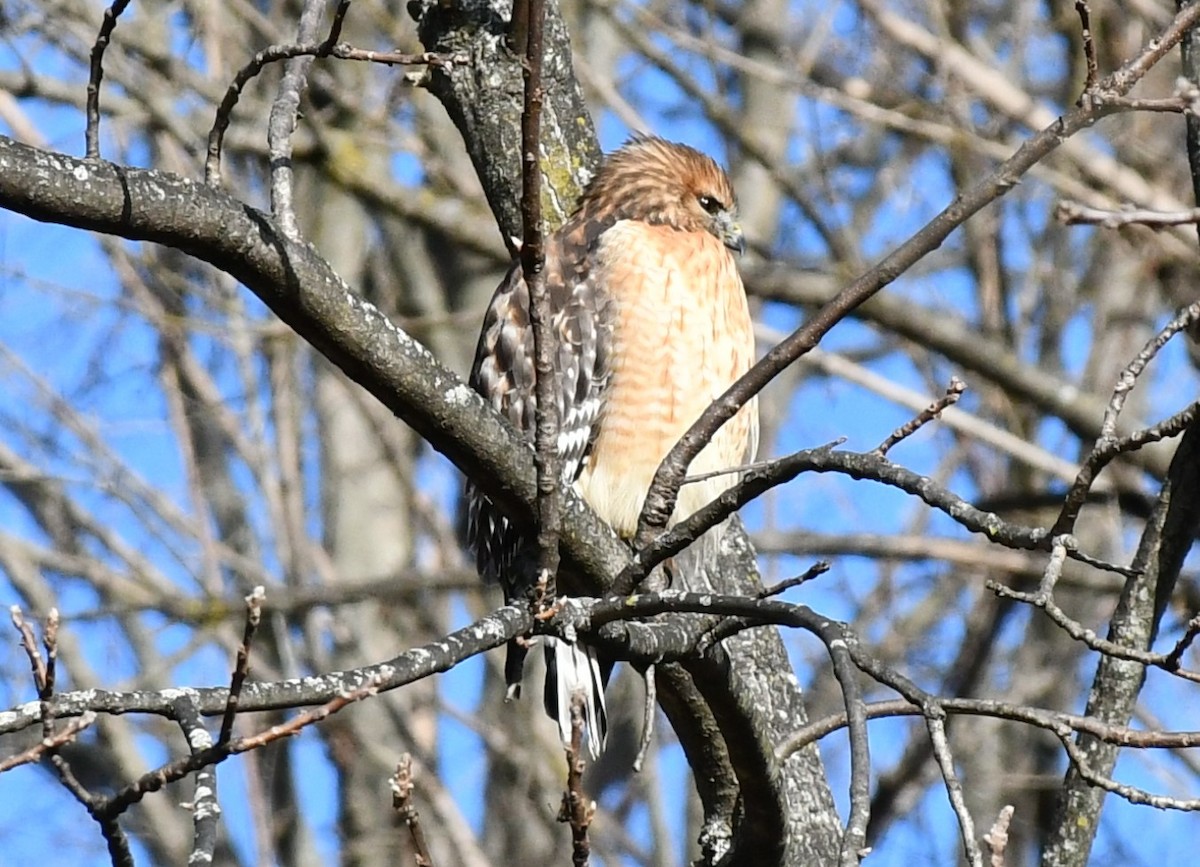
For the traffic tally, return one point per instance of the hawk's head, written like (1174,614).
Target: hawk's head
(665,183)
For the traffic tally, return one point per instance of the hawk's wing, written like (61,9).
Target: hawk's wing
(581,319)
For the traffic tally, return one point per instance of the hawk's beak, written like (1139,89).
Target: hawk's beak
(735,240)
(731,233)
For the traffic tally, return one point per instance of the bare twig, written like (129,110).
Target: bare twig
(286,109)
(1089,47)
(401,784)
(96,73)
(71,783)
(936,725)
(577,809)
(44,669)
(1129,376)
(1064,546)
(1105,450)
(276,53)
(1089,638)
(1181,646)
(302,721)
(50,643)
(854,840)
(1132,794)
(997,837)
(764,464)
(860,465)
(648,708)
(1108,444)
(154,780)
(30,643)
(64,736)
(242,667)
(1076,214)
(814,571)
(529,21)
(953,392)
(344,51)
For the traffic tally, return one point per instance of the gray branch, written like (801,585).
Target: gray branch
(1168,537)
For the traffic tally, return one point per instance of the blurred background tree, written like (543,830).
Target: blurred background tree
(166,443)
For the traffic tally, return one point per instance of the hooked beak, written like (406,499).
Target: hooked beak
(735,240)
(731,233)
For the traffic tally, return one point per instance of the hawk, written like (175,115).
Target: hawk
(650,324)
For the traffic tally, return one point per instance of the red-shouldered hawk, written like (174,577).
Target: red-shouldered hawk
(651,324)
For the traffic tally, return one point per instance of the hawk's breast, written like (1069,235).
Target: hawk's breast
(682,334)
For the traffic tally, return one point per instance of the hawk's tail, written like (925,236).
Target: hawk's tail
(571,669)
(514,668)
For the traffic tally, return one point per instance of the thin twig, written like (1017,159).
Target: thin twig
(30,643)
(276,53)
(64,736)
(859,465)
(814,571)
(1076,214)
(1133,370)
(997,837)
(96,73)
(532,18)
(43,668)
(242,667)
(175,770)
(1052,721)
(50,643)
(577,809)
(286,109)
(71,783)
(1181,646)
(316,715)
(1089,638)
(401,784)
(753,466)
(1108,444)
(1132,794)
(648,716)
(953,392)
(935,723)
(1089,47)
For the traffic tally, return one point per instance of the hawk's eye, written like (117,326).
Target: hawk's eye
(711,204)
